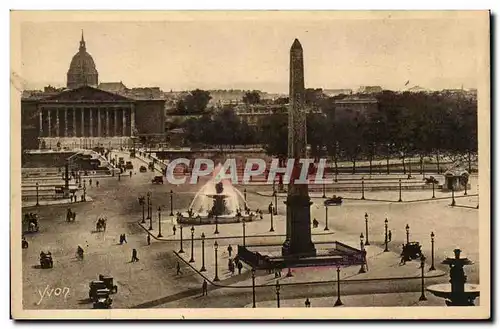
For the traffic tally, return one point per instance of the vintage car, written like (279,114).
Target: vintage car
(97,289)
(157,180)
(143,169)
(108,282)
(46,260)
(103,303)
(333,201)
(412,250)
(129,165)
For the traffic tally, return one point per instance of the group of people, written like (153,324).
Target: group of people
(70,215)
(101,224)
(232,263)
(31,220)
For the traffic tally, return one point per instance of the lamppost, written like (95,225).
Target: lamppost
(171,203)
(362,248)
(150,215)
(278,293)
(362,188)
(159,222)
(400,200)
(275,203)
(272,224)
(181,251)
(432,268)
(465,191)
(149,203)
(253,287)
(367,243)
(338,302)
(243,223)
(326,218)
(192,245)
(386,222)
(37,194)
(216,246)
(452,195)
(216,225)
(245,194)
(324,190)
(142,203)
(433,194)
(84,193)
(422,263)
(203,269)
(407,233)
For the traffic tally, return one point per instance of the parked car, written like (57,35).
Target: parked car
(157,180)
(143,169)
(129,165)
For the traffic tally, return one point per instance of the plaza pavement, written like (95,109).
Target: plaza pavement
(152,282)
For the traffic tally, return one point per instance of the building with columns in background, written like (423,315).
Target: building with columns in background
(83,115)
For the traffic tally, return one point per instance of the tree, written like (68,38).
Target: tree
(196,101)
(251,97)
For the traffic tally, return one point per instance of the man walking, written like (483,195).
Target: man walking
(240,266)
(204,288)
(389,236)
(149,239)
(134,256)
(229,250)
(178,269)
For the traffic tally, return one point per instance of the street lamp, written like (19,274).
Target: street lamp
(272,224)
(432,268)
(37,194)
(159,222)
(465,191)
(84,193)
(181,251)
(149,203)
(422,263)
(216,246)
(150,210)
(243,223)
(171,203)
(253,287)
(278,293)
(192,245)
(245,194)
(326,218)
(362,248)
(216,225)
(386,222)
(367,243)
(362,188)
(203,269)
(407,233)
(275,194)
(433,194)
(452,195)
(142,203)
(338,302)
(324,190)
(400,200)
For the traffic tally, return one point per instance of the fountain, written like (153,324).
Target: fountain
(217,201)
(459,293)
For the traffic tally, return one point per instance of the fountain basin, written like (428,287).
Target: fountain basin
(222,219)
(443,290)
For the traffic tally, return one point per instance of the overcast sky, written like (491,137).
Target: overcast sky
(254,54)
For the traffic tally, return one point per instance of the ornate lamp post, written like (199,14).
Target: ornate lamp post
(148,204)
(433,194)
(150,215)
(277,293)
(407,228)
(400,200)
(216,225)
(192,245)
(216,246)
(432,268)
(324,190)
(181,251)
(422,263)
(367,243)
(362,248)
(171,203)
(159,222)
(275,202)
(203,269)
(142,203)
(37,194)
(362,188)
(453,196)
(326,218)
(386,222)
(243,224)
(245,194)
(253,287)
(338,302)
(272,224)
(84,193)
(465,191)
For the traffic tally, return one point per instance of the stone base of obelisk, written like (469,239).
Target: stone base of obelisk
(298,242)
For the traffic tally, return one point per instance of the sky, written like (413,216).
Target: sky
(234,52)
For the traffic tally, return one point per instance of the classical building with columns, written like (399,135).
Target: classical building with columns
(84,116)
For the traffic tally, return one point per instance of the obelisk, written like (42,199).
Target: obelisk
(298,215)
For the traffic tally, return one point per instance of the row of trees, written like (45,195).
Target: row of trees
(405,125)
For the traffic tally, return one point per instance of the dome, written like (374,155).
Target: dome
(82,70)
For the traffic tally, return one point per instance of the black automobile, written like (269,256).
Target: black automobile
(143,169)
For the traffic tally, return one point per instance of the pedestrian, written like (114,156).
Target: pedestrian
(178,269)
(229,250)
(124,238)
(308,303)
(174,229)
(149,239)
(90,181)
(130,173)
(389,236)
(276,275)
(204,288)
(97,183)
(240,266)
(134,256)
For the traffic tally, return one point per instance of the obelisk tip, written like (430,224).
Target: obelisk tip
(296,44)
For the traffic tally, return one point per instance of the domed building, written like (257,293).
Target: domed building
(82,71)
